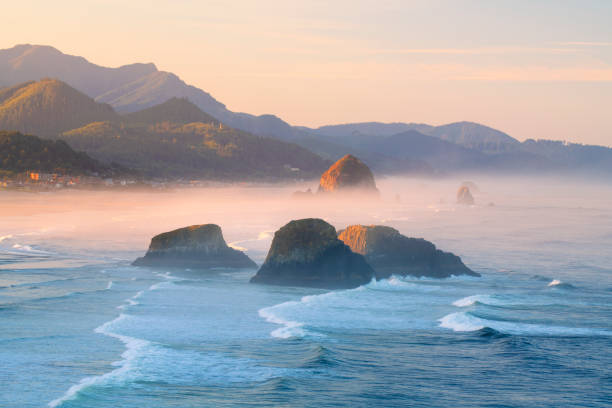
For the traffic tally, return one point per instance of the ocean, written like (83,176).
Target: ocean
(81,327)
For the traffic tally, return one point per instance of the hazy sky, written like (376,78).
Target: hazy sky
(535,69)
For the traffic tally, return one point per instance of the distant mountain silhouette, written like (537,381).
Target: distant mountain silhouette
(385,147)
(48,107)
(474,136)
(571,156)
(467,134)
(174,110)
(368,129)
(128,88)
(32,62)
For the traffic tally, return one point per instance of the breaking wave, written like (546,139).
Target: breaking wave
(467,322)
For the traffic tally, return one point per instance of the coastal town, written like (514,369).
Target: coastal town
(37,181)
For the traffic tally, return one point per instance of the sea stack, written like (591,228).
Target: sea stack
(464,196)
(391,253)
(308,253)
(197,246)
(349,174)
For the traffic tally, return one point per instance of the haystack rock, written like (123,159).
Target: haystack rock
(391,253)
(197,246)
(349,174)
(464,196)
(308,253)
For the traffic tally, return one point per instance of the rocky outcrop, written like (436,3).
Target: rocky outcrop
(302,194)
(464,196)
(391,253)
(197,246)
(308,253)
(349,174)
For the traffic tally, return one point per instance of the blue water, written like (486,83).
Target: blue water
(83,328)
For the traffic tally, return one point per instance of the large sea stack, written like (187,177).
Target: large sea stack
(197,246)
(349,174)
(308,253)
(391,253)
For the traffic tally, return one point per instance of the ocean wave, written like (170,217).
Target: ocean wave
(356,307)
(472,300)
(131,301)
(50,295)
(396,283)
(134,347)
(290,328)
(556,283)
(5,237)
(318,357)
(467,322)
(128,303)
(19,248)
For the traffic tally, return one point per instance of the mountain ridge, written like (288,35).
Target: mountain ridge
(48,107)
(141,86)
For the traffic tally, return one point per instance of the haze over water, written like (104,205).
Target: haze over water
(83,328)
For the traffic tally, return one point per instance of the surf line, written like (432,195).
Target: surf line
(133,348)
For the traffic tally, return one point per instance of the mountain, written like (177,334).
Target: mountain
(333,150)
(571,156)
(474,136)
(174,110)
(414,145)
(466,134)
(368,129)
(386,148)
(32,62)
(48,107)
(408,146)
(20,153)
(129,88)
(202,150)
(172,139)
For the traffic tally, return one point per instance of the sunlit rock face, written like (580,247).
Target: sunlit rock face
(391,253)
(197,246)
(464,196)
(308,253)
(349,174)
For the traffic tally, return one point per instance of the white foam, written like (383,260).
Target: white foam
(471,300)
(158,285)
(4,237)
(134,347)
(465,322)
(555,282)
(110,285)
(461,322)
(290,328)
(131,301)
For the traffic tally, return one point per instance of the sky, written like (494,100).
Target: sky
(533,69)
